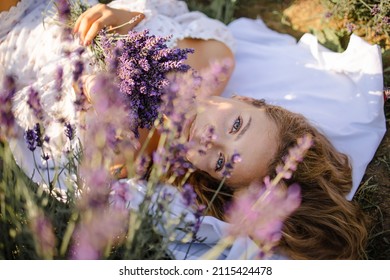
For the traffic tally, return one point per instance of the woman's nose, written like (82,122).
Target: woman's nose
(209,135)
(212,139)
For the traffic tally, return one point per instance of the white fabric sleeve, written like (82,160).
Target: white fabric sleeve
(211,229)
(32,52)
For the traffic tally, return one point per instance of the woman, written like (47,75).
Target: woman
(331,188)
(336,230)
(326,225)
(38,69)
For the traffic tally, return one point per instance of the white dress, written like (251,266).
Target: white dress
(340,93)
(31,50)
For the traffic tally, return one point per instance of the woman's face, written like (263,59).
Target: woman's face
(238,128)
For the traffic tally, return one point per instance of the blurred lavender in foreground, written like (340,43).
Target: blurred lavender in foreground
(45,240)
(260,211)
(7,118)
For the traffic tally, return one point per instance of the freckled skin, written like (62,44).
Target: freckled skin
(256,143)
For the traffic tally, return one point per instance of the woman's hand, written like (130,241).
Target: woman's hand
(99,16)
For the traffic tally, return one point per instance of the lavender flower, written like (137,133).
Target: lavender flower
(7,118)
(142,163)
(34,103)
(38,135)
(188,195)
(211,78)
(142,63)
(178,99)
(64,10)
(229,165)
(206,139)
(100,229)
(199,214)
(260,212)
(78,69)
(44,235)
(34,137)
(177,157)
(350,27)
(30,138)
(375,10)
(328,15)
(59,80)
(158,156)
(70,131)
(295,155)
(96,188)
(111,124)
(45,156)
(121,194)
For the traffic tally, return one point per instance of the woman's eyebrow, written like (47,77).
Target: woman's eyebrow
(242,132)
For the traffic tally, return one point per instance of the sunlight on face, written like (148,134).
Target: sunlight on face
(223,127)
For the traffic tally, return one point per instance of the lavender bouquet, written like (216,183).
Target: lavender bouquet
(142,62)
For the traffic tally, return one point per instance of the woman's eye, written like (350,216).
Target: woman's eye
(236,125)
(220,162)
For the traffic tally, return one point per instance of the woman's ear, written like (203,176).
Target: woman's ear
(249,100)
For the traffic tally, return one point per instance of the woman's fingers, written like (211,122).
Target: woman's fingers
(82,16)
(93,31)
(87,19)
(86,23)
(99,16)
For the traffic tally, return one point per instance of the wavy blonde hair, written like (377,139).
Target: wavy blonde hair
(326,225)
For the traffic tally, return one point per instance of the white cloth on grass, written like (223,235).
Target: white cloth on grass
(340,93)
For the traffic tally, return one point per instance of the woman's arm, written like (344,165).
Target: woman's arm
(99,16)
(206,51)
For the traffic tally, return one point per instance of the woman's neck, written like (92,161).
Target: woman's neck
(5,5)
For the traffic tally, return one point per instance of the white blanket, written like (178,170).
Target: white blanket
(340,93)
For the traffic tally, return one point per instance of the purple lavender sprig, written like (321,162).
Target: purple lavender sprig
(43,232)
(142,63)
(7,118)
(34,137)
(263,221)
(295,155)
(229,165)
(64,9)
